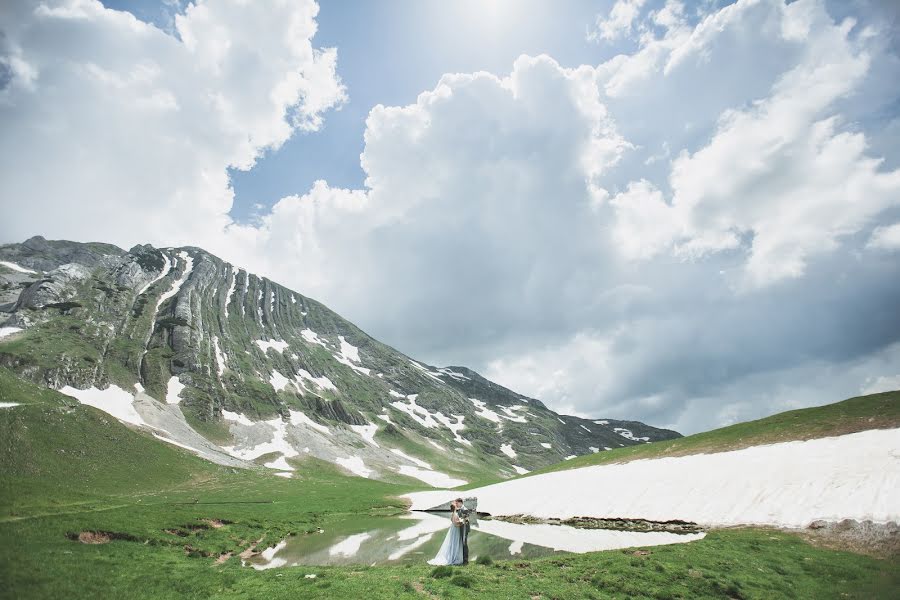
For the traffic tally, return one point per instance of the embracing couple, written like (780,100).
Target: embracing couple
(455,549)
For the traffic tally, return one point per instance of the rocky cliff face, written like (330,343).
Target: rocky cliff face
(241,369)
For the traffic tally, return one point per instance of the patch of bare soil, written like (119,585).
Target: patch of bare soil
(216,523)
(100,537)
(250,550)
(881,540)
(223,558)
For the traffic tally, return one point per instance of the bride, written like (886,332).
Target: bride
(451,552)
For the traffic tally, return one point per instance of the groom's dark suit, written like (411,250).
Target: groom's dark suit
(464,535)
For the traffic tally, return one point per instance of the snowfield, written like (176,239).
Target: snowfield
(15,267)
(113,400)
(855,476)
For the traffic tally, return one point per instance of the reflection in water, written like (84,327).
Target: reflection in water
(411,538)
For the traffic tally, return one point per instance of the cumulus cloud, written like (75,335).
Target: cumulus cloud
(619,22)
(885,238)
(116,130)
(688,234)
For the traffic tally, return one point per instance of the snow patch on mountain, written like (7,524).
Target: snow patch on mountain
(277,345)
(507,449)
(355,465)
(15,267)
(367,432)
(312,337)
(220,356)
(113,400)
(173,390)
(322,381)
(230,292)
(300,418)
(626,433)
(165,271)
(511,413)
(8,331)
(484,412)
(278,381)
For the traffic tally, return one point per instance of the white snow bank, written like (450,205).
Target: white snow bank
(626,433)
(511,415)
(484,412)
(15,267)
(278,381)
(299,418)
(855,476)
(321,381)
(350,356)
(230,291)
(173,390)
(165,271)
(425,371)
(286,475)
(9,404)
(280,464)
(169,440)
(546,445)
(113,400)
(7,331)
(585,428)
(507,449)
(453,374)
(454,427)
(432,478)
(312,337)
(277,345)
(601,422)
(520,470)
(355,465)
(367,432)
(220,357)
(277,443)
(236,417)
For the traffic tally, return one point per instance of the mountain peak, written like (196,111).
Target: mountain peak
(238,367)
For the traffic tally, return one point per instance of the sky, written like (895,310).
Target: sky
(685,213)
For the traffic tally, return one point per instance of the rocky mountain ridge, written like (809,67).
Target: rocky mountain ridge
(242,370)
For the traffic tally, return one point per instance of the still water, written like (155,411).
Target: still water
(416,537)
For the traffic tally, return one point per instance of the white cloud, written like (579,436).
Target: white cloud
(779,171)
(115,130)
(516,221)
(885,238)
(619,22)
(875,385)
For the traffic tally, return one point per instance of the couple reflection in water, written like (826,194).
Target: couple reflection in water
(455,549)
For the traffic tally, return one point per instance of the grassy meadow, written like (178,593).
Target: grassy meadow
(173,526)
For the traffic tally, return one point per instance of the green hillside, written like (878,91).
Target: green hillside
(171,526)
(875,411)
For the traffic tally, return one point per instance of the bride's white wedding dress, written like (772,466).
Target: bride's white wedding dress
(451,552)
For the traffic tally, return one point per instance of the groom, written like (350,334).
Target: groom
(463,516)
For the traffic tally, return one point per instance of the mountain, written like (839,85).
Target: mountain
(241,370)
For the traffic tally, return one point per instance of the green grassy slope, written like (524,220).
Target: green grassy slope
(158,503)
(876,411)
